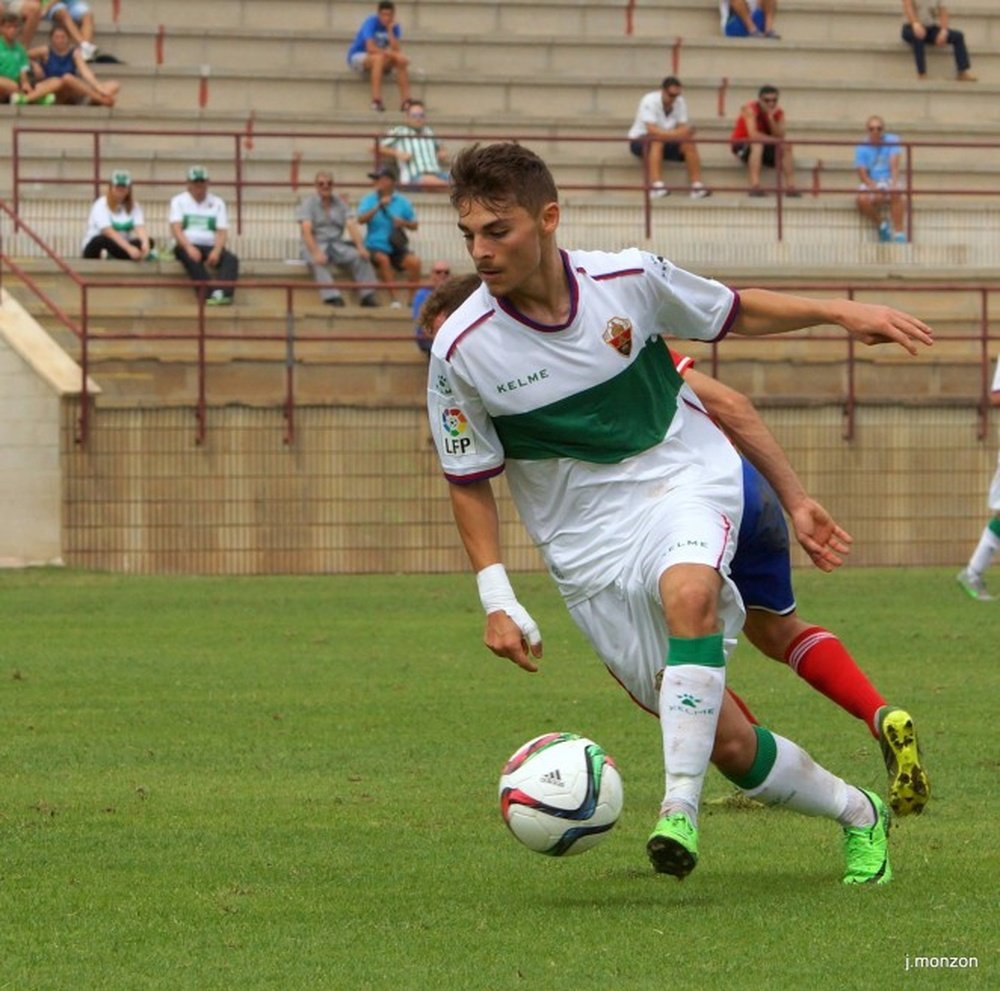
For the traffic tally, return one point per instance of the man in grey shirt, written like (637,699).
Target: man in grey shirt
(323,220)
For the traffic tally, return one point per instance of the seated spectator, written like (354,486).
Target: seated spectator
(748,18)
(324,218)
(421,158)
(877,161)
(29,13)
(16,83)
(663,115)
(63,71)
(926,24)
(116,227)
(76,18)
(440,271)
(760,124)
(388,215)
(200,226)
(376,51)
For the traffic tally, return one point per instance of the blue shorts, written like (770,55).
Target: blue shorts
(761,567)
(76,8)
(735,28)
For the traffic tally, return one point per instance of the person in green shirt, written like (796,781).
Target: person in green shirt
(16,83)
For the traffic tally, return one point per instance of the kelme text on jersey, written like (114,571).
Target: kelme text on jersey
(519,383)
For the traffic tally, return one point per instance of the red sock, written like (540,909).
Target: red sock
(817,656)
(743,706)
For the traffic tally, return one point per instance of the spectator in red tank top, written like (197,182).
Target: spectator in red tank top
(760,124)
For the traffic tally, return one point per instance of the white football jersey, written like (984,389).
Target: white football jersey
(590,418)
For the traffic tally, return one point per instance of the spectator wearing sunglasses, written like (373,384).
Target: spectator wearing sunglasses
(760,125)
(440,271)
(662,131)
(332,238)
(422,159)
(877,161)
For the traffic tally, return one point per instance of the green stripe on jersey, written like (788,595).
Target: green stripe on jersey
(604,424)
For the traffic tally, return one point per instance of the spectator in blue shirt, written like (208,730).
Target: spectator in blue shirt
(376,51)
(389,217)
(440,272)
(877,161)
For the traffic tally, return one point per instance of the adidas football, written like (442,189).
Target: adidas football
(560,794)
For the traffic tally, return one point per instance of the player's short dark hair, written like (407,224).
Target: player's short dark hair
(766,90)
(386,5)
(671,81)
(502,174)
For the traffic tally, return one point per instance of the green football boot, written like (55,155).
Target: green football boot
(866,848)
(673,846)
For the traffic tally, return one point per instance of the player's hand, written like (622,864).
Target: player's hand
(513,634)
(874,324)
(821,538)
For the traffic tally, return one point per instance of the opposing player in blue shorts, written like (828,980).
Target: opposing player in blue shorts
(761,570)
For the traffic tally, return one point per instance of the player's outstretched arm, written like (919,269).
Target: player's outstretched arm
(510,630)
(764,312)
(821,538)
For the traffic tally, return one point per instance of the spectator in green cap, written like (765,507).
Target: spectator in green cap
(200,226)
(116,227)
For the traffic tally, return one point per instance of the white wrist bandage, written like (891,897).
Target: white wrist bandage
(497,595)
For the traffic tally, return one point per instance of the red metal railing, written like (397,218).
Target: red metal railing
(291,336)
(852,290)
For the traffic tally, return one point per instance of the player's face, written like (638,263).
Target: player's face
(505,243)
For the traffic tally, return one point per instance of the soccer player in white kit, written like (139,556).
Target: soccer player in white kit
(971,576)
(555,371)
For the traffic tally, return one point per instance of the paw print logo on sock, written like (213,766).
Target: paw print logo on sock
(691,701)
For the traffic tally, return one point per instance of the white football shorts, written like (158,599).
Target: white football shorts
(624,622)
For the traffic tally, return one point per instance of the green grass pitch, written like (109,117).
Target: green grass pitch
(290,783)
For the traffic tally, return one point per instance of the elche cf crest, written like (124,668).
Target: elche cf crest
(618,333)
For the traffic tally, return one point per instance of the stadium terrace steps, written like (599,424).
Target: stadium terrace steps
(540,56)
(612,98)
(696,233)
(277,172)
(851,20)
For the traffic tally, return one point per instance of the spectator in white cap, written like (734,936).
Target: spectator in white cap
(116,227)
(200,226)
